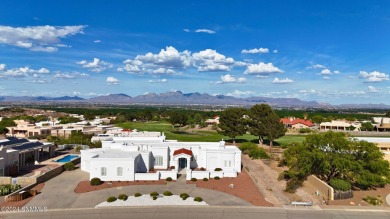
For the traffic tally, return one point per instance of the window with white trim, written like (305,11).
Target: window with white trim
(103,171)
(119,171)
(228,163)
(158,160)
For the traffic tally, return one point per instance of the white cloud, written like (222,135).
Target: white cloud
(315,66)
(374,76)
(262,68)
(211,60)
(326,72)
(254,51)
(163,71)
(2,67)
(275,51)
(311,91)
(40,81)
(205,31)
(186,30)
(373,89)
(64,76)
(282,81)
(230,79)
(336,72)
(238,93)
(112,81)
(326,78)
(97,41)
(158,81)
(96,65)
(37,38)
(76,93)
(23,72)
(168,58)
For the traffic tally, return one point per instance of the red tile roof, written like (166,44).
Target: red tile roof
(288,121)
(182,151)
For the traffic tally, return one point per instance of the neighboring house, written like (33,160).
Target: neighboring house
(17,152)
(24,129)
(382,143)
(381,124)
(214,120)
(123,157)
(340,125)
(297,123)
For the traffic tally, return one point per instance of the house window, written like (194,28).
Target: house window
(103,171)
(119,171)
(158,160)
(228,163)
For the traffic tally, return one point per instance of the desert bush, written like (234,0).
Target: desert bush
(168,179)
(167,193)
(95,181)
(218,169)
(69,166)
(137,194)
(217,178)
(293,184)
(194,179)
(373,200)
(154,194)
(202,169)
(111,199)
(198,199)
(205,179)
(154,197)
(340,184)
(123,197)
(184,196)
(8,188)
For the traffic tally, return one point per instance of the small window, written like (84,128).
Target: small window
(158,160)
(103,171)
(228,163)
(119,171)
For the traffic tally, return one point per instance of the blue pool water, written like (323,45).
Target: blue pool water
(67,158)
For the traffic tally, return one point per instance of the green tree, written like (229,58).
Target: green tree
(263,121)
(232,123)
(388,114)
(317,119)
(332,155)
(178,118)
(367,126)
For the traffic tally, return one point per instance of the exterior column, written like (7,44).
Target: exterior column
(188,163)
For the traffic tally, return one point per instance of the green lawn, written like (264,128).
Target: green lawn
(170,132)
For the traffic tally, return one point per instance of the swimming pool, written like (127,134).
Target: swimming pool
(67,158)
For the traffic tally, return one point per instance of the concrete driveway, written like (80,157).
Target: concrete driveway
(59,193)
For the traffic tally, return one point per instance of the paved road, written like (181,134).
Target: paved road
(58,193)
(201,212)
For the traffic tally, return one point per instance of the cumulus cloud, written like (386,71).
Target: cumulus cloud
(336,72)
(168,58)
(186,30)
(96,65)
(326,72)
(163,71)
(254,51)
(373,89)
(275,51)
(97,41)
(70,75)
(262,68)
(2,67)
(282,81)
(22,72)
(112,81)
(315,66)
(211,60)
(230,79)
(158,81)
(374,76)
(326,78)
(205,31)
(238,93)
(37,38)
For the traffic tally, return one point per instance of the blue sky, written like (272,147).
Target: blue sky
(328,51)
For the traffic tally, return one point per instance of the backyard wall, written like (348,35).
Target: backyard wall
(200,174)
(326,191)
(166,174)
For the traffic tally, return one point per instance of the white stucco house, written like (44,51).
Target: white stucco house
(131,156)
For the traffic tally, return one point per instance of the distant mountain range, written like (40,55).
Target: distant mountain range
(179,98)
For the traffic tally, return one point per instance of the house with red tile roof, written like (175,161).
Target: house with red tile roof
(295,123)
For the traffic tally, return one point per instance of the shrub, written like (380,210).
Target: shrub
(293,184)
(77,148)
(194,179)
(205,179)
(198,199)
(137,194)
(184,196)
(111,199)
(168,179)
(154,197)
(95,181)
(8,188)
(154,194)
(253,151)
(123,197)
(218,169)
(304,130)
(202,169)
(69,166)
(373,200)
(216,178)
(339,184)
(167,193)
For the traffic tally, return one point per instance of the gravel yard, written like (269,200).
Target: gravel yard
(146,200)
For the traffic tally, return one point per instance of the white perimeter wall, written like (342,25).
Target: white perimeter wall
(111,166)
